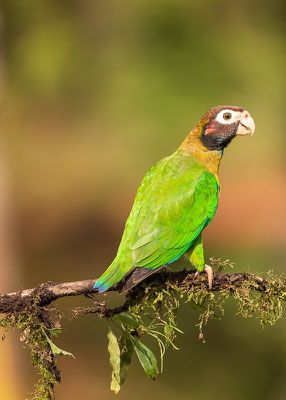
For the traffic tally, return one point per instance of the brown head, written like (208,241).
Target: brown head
(221,124)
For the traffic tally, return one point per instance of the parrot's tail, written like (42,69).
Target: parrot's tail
(135,276)
(112,275)
(126,281)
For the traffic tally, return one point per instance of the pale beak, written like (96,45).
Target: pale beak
(246,124)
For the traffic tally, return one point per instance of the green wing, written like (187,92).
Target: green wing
(175,202)
(169,229)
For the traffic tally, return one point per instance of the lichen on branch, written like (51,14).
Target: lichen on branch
(148,309)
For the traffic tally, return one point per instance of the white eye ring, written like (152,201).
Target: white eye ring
(221,117)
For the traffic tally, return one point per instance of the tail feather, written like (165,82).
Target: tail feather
(135,276)
(112,275)
(126,281)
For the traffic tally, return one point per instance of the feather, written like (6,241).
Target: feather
(135,276)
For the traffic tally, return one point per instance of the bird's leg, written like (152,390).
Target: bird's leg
(196,257)
(210,273)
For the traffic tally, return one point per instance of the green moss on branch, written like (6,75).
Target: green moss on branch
(149,309)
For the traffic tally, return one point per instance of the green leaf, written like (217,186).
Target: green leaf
(120,358)
(114,357)
(146,358)
(57,351)
(126,351)
(127,318)
(55,331)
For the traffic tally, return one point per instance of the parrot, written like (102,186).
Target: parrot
(175,202)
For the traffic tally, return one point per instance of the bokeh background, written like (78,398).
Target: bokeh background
(92,94)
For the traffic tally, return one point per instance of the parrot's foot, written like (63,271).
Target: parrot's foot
(210,274)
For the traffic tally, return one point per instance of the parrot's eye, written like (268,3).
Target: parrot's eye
(227,116)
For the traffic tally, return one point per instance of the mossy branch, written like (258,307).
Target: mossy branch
(49,292)
(149,308)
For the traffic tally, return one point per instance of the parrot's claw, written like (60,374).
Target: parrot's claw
(210,274)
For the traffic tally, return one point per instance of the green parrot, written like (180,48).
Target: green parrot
(176,200)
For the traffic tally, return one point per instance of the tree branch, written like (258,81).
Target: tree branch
(155,300)
(48,292)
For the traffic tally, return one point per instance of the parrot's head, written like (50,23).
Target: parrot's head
(221,124)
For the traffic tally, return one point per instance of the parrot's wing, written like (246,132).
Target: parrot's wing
(173,222)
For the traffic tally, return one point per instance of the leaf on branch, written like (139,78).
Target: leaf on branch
(146,358)
(126,318)
(120,358)
(126,351)
(114,358)
(57,351)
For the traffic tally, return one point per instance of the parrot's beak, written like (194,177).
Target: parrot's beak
(246,124)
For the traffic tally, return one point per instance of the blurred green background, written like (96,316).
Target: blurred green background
(92,94)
